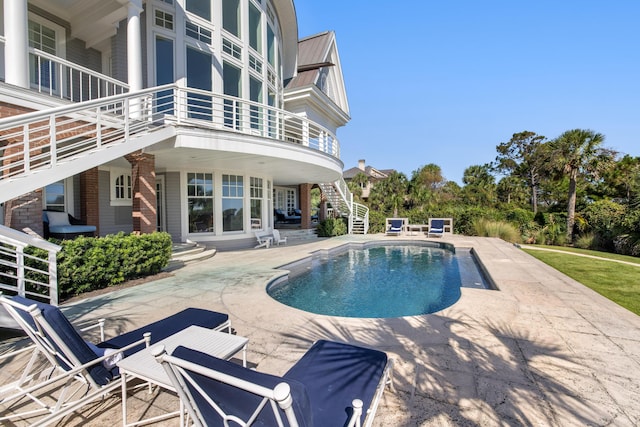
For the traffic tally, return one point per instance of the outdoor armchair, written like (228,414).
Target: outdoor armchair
(332,385)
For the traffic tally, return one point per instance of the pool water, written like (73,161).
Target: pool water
(379,282)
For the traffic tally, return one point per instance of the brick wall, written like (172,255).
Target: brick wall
(143,174)
(25,212)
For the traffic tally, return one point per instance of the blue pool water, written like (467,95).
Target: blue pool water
(378,282)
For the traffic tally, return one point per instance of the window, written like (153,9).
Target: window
(255,112)
(164,19)
(200,202)
(202,8)
(255,28)
(232,77)
(42,72)
(197,32)
(199,77)
(164,74)
(54,198)
(231,48)
(121,187)
(285,199)
(256,194)
(231,16)
(255,64)
(232,202)
(271,46)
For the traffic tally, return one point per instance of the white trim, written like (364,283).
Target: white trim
(115,173)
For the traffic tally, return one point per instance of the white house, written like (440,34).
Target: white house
(195,117)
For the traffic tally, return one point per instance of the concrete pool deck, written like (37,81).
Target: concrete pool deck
(542,350)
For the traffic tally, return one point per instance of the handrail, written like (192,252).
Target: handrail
(25,274)
(58,77)
(41,139)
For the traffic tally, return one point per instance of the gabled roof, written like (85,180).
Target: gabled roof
(369,171)
(319,67)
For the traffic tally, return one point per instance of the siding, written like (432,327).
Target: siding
(113,219)
(172,199)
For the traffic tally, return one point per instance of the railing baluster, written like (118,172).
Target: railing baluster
(26,149)
(53,146)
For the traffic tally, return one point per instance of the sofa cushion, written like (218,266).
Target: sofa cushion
(56,219)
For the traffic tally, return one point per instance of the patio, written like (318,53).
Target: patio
(544,350)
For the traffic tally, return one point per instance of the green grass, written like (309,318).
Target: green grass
(600,254)
(618,282)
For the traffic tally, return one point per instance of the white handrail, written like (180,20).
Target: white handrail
(25,274)
(58,77)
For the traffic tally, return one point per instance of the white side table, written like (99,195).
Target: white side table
(144,366)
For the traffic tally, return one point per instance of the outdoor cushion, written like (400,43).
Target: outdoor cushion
(60,229)
(166,327)
(69,335)
(334,374)
(237,401)
(56,219)
(83,352)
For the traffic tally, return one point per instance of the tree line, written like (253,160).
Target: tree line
(567,190)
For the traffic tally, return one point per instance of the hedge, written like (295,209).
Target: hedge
(88,263)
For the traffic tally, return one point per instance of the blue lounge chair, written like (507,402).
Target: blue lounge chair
(395,227)
(332,385)
(436,227)
(83,370)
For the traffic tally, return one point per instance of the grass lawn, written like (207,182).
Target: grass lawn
(607,255)
(618,282)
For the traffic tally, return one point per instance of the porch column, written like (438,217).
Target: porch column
(143,175)
(134,46)
(305,205)
(16,46)
(89,198)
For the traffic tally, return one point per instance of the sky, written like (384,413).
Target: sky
(446,81)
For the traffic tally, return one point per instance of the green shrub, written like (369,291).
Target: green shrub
(500,229)
(88,263)
(331,227)
(585,241)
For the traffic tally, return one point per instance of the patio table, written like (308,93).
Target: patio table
(144,366)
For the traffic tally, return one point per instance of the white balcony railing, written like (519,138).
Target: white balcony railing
(43,139)
(57,77)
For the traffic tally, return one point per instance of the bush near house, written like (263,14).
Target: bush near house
(88,263)
(331,227)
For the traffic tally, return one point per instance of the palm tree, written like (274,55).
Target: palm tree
(578,152)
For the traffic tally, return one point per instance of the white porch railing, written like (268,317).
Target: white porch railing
(342,203)
(32,275)
(57,77)
(43,139)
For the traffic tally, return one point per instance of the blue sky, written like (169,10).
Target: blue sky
(446,81)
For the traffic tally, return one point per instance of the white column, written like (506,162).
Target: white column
(16,47)
(134,46)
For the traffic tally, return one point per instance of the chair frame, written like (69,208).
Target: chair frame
(64,368)
(264,239)
(179,371)
(277,238)
(390,230)
(75,379)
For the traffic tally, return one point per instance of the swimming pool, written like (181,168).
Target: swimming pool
(378,281)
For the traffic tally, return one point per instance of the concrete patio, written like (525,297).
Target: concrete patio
(543,350)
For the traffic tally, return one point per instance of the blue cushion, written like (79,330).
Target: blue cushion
(334,374)
(437,226)
(235,401)
(69,335)
(61,229)
(166,327)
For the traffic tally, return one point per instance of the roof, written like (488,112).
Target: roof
(369,171)
(312,50)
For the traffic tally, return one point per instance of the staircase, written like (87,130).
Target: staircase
(46,146)
(341,200)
